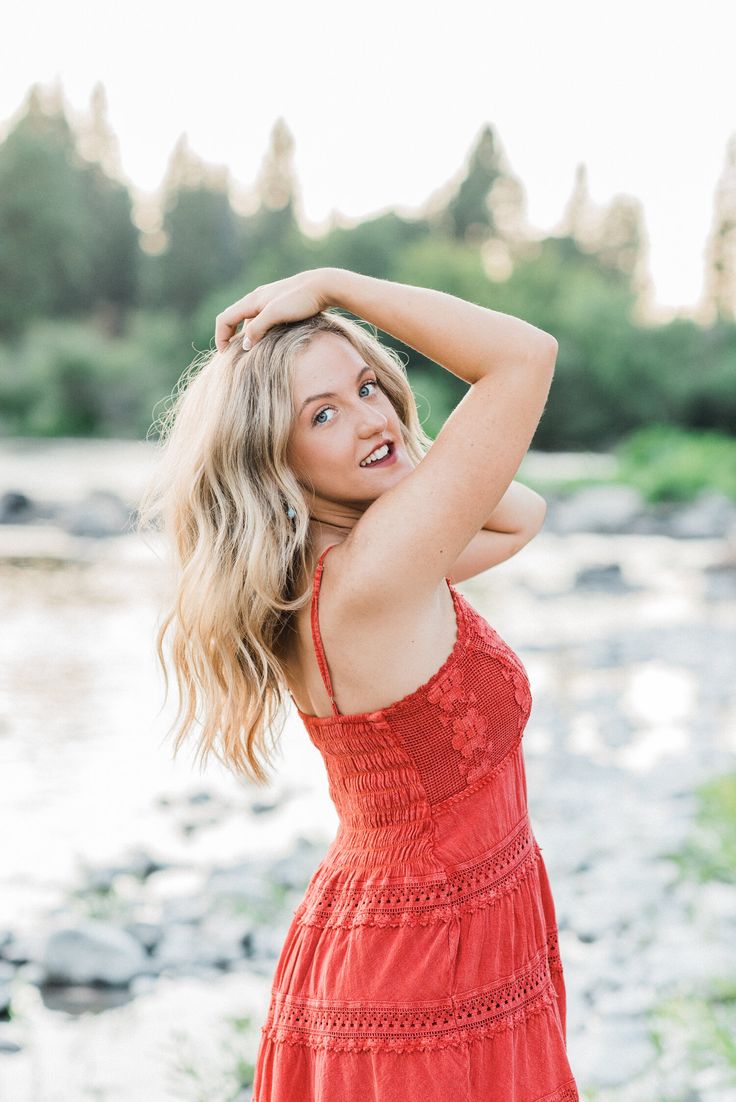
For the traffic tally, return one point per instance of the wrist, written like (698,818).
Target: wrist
(335,283)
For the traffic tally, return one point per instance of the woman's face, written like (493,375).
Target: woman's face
(331,435)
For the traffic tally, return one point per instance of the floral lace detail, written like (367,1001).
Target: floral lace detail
(419,902)
(447,689)
(568,1092)
(466,717)
(458,1020)
(471,740)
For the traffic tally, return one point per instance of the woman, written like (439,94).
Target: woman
(318,534)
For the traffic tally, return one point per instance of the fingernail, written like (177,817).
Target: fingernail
(246,343)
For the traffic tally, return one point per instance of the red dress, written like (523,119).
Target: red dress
(422,964)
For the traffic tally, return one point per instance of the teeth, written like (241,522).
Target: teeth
(379,453)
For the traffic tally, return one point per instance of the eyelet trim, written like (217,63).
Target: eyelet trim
(419,902)
(568,1092)
(395,1027)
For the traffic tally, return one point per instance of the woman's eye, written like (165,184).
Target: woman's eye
(368,382)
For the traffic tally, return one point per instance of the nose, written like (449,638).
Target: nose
(374,421)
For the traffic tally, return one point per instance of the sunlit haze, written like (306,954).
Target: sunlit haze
(385,101)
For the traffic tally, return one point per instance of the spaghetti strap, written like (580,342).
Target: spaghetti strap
(317,638)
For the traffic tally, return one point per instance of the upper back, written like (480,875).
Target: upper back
(366,660)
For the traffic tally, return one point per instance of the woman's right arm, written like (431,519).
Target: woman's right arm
(408,540)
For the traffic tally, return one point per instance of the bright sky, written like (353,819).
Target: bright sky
(385,99)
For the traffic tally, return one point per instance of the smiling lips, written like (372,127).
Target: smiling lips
(387,458)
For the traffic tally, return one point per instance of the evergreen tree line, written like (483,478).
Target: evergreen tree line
(104,301)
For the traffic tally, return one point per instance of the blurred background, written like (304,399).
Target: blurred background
(561,163)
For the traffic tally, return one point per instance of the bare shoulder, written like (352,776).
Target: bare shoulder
(405,543)
(377,651)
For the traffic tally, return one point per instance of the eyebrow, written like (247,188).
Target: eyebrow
(331,393)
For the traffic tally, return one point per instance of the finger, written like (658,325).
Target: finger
(253,330)
(227,322)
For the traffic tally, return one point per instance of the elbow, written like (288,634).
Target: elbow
(550,347)
(534,515)
(540,513)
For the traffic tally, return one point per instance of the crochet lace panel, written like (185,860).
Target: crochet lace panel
(481,706)
(457,1020)
(414,902)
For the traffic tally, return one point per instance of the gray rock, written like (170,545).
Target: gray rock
(268,941)
(605,577)
(605,508)
(93,952)
(239,884)
(23,948)
(149,934)
(8,1045)
(184,909)
(712,515)
(295,868)
(15,508)
(720,581)
(178,949)
(225,939)
(216,944)
(100,514)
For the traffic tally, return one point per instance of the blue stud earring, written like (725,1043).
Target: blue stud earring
(291,511)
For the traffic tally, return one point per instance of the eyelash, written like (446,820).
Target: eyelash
(366,382)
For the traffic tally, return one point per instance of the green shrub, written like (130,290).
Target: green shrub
(672,464)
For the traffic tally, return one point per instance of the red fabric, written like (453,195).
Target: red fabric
(422,963)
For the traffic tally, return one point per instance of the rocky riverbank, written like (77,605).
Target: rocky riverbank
(624,618)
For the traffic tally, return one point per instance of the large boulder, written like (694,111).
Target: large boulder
(93,952)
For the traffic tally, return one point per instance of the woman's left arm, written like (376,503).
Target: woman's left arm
(517,518)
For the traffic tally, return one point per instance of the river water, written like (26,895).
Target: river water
(634,704)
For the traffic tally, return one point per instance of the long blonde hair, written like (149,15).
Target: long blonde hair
(218,496)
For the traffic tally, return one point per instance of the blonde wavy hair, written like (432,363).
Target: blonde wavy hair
(218,495)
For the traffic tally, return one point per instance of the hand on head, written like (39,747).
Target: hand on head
(291,299)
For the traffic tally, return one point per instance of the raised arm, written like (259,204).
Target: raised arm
(409,538)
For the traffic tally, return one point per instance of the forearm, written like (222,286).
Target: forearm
(520,508)
(468,340)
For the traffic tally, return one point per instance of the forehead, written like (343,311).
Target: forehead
(329,360)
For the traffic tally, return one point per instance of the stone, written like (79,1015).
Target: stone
(711,516)
(100,514)
(92,952)
(604,508)
(605,577)
(15,508)
(149,934)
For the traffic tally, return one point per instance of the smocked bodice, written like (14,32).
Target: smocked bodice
(398,775)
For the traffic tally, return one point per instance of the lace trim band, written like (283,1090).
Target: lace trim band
(358,1027)
(419,902)
(568,1092)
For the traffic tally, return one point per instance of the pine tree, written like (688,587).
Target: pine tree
(202,233)
(719,298)
(580,217)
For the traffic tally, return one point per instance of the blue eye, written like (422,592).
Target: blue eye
(367,382)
